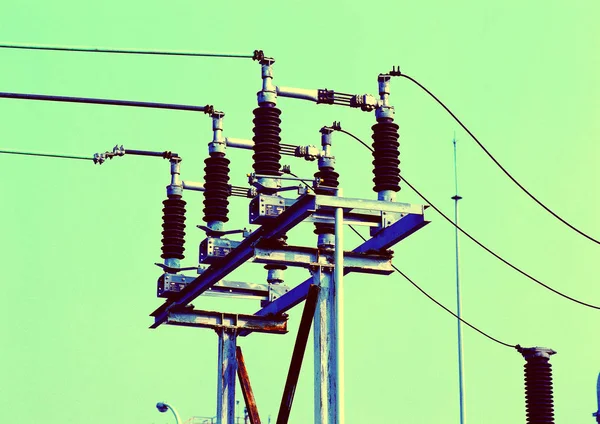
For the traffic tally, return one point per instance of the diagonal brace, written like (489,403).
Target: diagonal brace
(298,355)
(246,388)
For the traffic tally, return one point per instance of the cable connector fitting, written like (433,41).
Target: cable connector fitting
(209,109)
(365,102)
(118,151)
(99,158)
(325,96)
(309,153)
(395,72)
(258,55)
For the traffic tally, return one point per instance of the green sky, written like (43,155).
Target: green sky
(79,240)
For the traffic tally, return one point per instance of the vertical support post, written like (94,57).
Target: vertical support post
(325,350)
(339,297)
(226,378)
(328,333)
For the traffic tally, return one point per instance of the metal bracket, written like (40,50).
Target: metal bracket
(171,284)
(228,321)
(306,257)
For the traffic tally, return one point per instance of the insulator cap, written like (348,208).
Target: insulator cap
(386,163)
(173,228)
(216,188)
(266,140)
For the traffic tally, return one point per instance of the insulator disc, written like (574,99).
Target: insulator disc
(173,228)
(538,391)
(266,141)
(216,188)
(385,153)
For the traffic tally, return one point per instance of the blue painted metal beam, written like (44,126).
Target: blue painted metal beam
(216,272)
(383,240)
(393,234)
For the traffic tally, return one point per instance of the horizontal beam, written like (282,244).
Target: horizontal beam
(371,206)
(221,320)
(216,272)
(382,241)
(393,234)
(310,257)
(171,284)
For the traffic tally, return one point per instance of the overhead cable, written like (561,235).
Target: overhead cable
(508,174)
(440,304)
(67,99)
(48,155)
(487,249)
(128,51)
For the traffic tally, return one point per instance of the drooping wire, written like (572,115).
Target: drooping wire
(48,155)
(508,174)
(208,109)
(123,51)
(491,252)
(302,181)
(355,137)
(418,287)
(487,249)
(440,304)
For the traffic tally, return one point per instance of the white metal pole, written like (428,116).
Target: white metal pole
(339,297)
(325,351)
(226,378)
(461,382)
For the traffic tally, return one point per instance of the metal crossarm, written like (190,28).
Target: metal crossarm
(382,241)
(288,219)
(225,321)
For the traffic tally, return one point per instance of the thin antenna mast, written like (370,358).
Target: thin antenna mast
(461,383)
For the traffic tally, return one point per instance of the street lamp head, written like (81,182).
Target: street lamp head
(162,407)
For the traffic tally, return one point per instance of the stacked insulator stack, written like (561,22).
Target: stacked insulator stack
(173,227)
(216,188)
(538,385)
(328,179)
(386,155)
(266,140)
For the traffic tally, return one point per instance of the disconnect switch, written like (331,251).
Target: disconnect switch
(214,248)
(264,207)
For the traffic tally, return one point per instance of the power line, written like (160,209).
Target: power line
(129,51)
(508,174)
(441,305)
(48,155)
(487,249)
(67,99)
(417,286)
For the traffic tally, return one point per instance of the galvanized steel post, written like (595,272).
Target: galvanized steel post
(226,377)
(328,335)
(339,297)
(325,351)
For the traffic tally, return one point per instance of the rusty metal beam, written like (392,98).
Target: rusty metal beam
(227,320)
(298,355)
(246,388)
